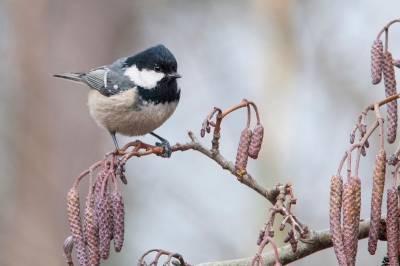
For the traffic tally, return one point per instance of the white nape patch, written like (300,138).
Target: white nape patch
(115,86)
(145,78)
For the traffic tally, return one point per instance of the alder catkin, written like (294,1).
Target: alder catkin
(376,61)
(97,196)
(119,219)
(390,89)
(349,220)
(335,218)
(356,181)
(92,237)
(256,141)
(392,226)
(104,227)
(76,226)
(376,199)
(101,214)
(242,152)
(110,214)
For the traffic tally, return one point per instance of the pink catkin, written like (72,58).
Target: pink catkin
(92,237)
(101,215)
(97,196)
(256,141)
(376,200)
(390,89)
(376,61)
(392,227)
(349,218)
(104,227)
(356,181)
(119,219)
(76,226)
(242,152)
(335,219)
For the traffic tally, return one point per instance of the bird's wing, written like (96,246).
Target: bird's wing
(106,81)
(97,79)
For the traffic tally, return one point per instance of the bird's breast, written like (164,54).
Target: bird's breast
(120,113)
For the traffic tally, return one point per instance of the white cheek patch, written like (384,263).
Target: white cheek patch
(145,78)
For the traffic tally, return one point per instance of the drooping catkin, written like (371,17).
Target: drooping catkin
(92,237)
(356,181)
(97,196)
(110,213)
(390,89)
(335,218)
(349,220)
(101,215)
(256,141)
(242,152)
(104,227)
(76,226)
(119,219)
(376,61)
(376,200)
(392,226)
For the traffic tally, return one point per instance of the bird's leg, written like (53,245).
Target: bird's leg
(115,140)
(165,144)
(117,147)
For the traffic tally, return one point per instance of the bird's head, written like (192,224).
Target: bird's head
(153,66)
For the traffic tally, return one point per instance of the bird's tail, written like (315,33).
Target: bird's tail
(71,76)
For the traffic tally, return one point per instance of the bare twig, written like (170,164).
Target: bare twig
(320,240)
(386,27)
(379,122)
(161,252)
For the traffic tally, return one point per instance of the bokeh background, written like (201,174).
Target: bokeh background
(305,63)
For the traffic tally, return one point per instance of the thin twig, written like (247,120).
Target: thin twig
(386,27)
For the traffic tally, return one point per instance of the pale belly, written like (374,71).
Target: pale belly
(116,113)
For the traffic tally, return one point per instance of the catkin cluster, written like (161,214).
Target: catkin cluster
(249,146)
(382,62)
(347,196)
(335,218)
(103,221)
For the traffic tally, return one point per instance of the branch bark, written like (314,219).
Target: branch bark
(269,194)
(320,240)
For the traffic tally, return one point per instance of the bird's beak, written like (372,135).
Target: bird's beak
(174,75)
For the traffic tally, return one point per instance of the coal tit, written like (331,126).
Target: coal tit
(134,95)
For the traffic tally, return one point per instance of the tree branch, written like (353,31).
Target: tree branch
(269,194)
(320,240)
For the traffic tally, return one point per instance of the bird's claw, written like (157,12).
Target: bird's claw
(119,163)
(167,147)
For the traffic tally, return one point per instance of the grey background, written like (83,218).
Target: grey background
(305,63)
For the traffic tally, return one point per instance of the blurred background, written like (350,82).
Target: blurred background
(305,63)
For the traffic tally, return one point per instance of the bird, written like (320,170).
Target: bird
(134,95)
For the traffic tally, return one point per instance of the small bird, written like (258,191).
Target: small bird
(134,95)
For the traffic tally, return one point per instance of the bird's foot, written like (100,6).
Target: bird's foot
(120,166)
(167,148)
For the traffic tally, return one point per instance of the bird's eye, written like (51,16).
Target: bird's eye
(157,69)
